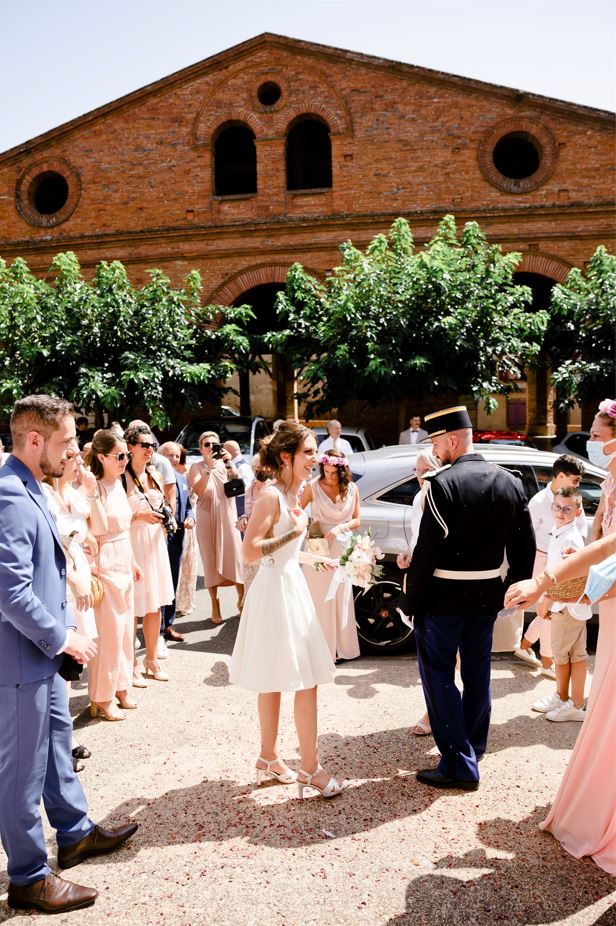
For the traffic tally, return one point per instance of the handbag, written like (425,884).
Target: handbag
(70,670)
(79,574)
(316,542)
(234,487)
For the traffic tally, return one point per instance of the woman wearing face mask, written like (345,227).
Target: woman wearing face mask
(601,451)
(583,815)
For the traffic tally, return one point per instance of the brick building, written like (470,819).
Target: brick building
(276,150)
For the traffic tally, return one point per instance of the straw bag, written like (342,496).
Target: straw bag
(567,591)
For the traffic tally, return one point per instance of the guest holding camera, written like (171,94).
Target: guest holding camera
(152,520)
(219,541)
(109,672)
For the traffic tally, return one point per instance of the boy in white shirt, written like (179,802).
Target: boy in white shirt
(567,472)
(568,632)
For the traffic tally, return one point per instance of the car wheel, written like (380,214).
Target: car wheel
(379,626)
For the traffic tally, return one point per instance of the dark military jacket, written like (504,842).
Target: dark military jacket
(475,514)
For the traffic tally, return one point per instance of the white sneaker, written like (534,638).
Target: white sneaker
(547,704)
(161,649)
(528,655)
(567,711)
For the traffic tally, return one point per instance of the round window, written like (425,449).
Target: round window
(269,93)
(48,192)
(517,155)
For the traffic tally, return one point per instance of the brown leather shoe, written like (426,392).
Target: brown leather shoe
(96,842)
(51,895)
(170,633)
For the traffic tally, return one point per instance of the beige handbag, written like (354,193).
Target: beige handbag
(316,542)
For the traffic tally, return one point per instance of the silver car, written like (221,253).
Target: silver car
(387,485)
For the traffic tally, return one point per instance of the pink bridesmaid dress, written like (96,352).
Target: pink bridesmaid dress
(583,815)
(337,622)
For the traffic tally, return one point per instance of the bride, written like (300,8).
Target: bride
(280,645)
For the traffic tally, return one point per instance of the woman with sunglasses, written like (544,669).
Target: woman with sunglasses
(219,542)
(110,672)
(146,498)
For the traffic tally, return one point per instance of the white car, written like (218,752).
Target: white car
(387,485)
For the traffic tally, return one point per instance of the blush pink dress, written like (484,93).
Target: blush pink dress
(150,547)
(111,669)
(219,541)
(583,815)
(337,622)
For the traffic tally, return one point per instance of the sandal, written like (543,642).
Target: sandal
(286,776)
(421,728)
(78,765)
(332,789)
(81,752)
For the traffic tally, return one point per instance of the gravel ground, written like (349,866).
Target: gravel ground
(213,849)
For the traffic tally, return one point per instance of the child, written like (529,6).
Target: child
(567,472)
(568,633)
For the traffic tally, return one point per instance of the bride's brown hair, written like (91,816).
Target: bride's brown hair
(287,438)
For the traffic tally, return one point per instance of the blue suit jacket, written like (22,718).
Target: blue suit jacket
(33,610)
(183,508)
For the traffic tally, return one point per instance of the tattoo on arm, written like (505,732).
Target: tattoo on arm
(270,546)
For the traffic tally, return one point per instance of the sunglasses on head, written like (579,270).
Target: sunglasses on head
(145,444)
(120,457)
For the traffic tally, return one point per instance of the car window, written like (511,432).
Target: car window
(526,474)
(590,490)
(577,443)
(356,476)
(402,494)
(355,441)
(369,440)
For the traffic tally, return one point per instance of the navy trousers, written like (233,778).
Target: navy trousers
(35,761)
(459,720)
(175,545)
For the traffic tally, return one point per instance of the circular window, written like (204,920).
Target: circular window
(269,93)
(518,155)
(48,192)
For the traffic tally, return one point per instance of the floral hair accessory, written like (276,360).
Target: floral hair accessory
(608,407)
(326,460)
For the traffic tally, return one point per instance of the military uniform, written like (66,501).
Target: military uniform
(474,514)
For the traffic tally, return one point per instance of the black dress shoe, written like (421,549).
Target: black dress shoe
(97,842)
(51,895)
(432,777)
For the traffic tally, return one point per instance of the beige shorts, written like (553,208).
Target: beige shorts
(568,638)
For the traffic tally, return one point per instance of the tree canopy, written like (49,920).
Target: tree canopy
(392,321)
(110,347)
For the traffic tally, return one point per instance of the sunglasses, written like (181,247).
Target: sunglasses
(208,444)
(566,509)
(145,445)
(120,457)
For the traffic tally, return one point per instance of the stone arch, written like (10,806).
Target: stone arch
(206,124)
(544,265)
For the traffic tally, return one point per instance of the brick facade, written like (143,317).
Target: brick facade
(405,141)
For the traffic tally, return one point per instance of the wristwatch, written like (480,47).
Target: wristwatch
(92,498)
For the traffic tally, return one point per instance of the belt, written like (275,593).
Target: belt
(467,574)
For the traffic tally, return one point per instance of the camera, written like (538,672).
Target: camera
(217,451)
(168,521)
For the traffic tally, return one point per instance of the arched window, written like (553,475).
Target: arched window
(235,161)
(309,155)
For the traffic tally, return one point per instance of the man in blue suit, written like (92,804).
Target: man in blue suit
(36,629)
(185,520)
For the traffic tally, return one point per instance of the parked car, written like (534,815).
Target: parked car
(245,430)
(387,486)
(359,438)
(515,438)
(574,443)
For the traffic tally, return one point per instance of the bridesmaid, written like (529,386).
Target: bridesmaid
(583,815)
(145,495)
(334,502)
(219,542)
(110,672)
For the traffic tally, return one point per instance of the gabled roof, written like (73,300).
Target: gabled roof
(305,49)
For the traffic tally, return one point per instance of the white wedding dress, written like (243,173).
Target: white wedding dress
(280,645)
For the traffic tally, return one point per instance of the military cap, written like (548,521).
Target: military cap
(449,419)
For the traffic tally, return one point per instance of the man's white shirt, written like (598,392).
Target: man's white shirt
(340,444)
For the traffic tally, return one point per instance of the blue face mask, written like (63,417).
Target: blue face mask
(594,449)
(600,580)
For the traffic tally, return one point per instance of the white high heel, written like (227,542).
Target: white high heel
(264,774)
(332,789)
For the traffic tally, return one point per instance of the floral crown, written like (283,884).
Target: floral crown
(608,407)
(326,460)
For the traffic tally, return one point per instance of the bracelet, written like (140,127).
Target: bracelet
(92,498)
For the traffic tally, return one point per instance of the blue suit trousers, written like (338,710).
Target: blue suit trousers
(460,720)
(35,761)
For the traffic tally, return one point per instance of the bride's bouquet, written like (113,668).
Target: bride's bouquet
(359,561)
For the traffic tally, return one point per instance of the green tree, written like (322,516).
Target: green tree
(112,348)
(581,339)
(390,322)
